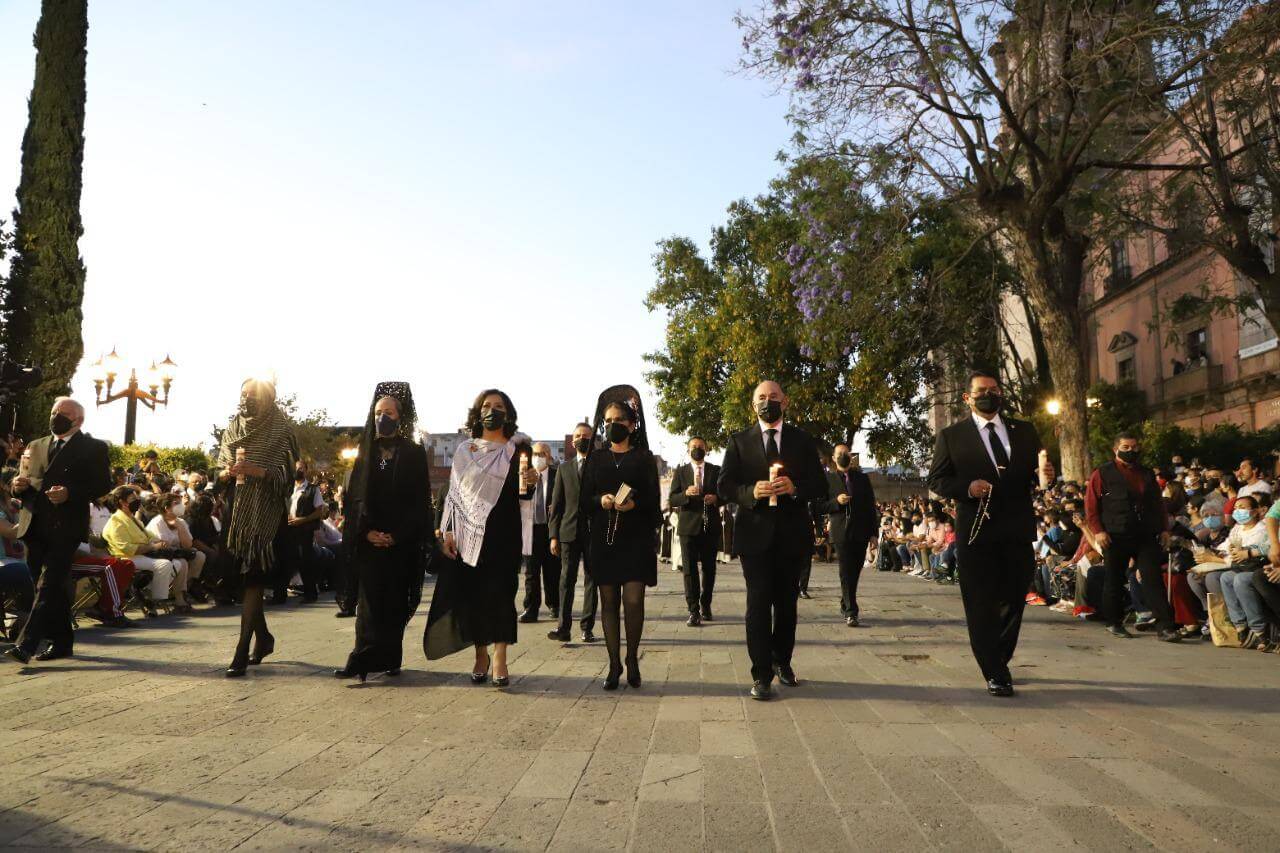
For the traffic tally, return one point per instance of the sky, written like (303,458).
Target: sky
(460,195)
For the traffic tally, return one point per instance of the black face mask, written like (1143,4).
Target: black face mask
(769,411)
(493,419)
(617,432)
(298,476)
(59,424)
(988,404)
(387,426)
(1128,457)
(697,454)
(132,506)
(582,445)
(844,459)
(249,406)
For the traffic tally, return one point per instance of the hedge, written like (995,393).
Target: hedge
(170,459)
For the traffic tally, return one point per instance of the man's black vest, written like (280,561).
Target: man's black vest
(304,505)
(1127,514)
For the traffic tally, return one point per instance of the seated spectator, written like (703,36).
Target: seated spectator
(127,537)
(1245,550)
(17,587)
(168,528)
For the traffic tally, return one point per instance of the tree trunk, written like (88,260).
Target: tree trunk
(45,294)
(1053,271)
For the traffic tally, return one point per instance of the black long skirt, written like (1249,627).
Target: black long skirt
(471,605)
(382,611)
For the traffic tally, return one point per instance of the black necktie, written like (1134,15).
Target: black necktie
(771,446)
(997,449)
(57,448)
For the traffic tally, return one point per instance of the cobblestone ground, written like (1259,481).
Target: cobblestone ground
(889,742)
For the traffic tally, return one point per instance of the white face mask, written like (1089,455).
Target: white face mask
(179,510)
(539,463)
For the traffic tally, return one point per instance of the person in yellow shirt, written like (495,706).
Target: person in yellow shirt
(127,538)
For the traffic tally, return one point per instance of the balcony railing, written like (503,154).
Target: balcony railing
(1193,381)
(1118,280)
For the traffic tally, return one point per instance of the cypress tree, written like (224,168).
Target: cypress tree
(45,291)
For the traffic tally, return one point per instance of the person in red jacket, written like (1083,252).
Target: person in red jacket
(1126,513)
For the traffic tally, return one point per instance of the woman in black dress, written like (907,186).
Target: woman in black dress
(474,600)
(623,544)
(387,523)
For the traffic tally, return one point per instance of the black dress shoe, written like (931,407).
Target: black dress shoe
(761,691)
(804,593)
(53,654)
(1119,631)
(393,672)
(851,621)
(997,687)
(555,615)
(706,615)
(17,654)
(589,637)
(694,620)
(786,675)
(343,613)
(558,635)
(611,680)
(1170,635)
(528,616)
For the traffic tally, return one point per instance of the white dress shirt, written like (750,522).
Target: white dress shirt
(764,437)
(1002,433)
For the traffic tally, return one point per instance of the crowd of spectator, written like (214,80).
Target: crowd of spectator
(1221,553)
(155,546)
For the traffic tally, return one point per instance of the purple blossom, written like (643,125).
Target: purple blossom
(846,296)
(806,351)
(779,19)
(794,254)
(806,80)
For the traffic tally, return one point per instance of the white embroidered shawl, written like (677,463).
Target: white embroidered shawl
(479,472)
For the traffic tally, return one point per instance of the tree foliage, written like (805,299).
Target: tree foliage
(317,440)
(853,307)
(170,459)
(42,309)
(1014,110)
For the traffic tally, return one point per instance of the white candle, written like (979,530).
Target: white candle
(774,470)
(241,479)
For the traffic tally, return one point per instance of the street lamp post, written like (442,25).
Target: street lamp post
(105,371)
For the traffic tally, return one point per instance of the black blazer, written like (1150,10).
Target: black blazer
(83,467)
(690,515)
(960,457)
(413,521)
(858,519)
(562,513)
(757,524)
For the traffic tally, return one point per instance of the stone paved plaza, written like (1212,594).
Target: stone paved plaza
(889,742)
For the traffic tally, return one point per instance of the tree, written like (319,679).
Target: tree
(856,363)
(1014,110)
(42,309)
(317,441)
(1222,143)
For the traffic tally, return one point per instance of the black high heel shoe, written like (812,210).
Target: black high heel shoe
(501,680)
(239,666)
(482,677)
(393,672)
(633,672)
(611,680)
(261,650)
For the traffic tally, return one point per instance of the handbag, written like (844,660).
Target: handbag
(1222,632)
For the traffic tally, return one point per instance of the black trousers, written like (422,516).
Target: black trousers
(51,614)
(806,568)
(541,574)
(1269,591)
(994,579)
(773,586)
(297,554)
(571,554)
(699,553)
(1147,555)
(850,555)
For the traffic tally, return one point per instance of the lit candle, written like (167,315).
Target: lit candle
(241,479)
(774,470)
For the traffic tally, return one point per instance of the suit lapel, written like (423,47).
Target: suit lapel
(756,465)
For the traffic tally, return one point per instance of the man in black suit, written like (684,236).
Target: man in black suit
(568,532)
(67,470)
(541,567)
(693,495)
(851,512)
(771,472)
(987,464)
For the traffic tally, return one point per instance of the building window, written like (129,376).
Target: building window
(1126,371)
(1197,348)
(1119,265)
